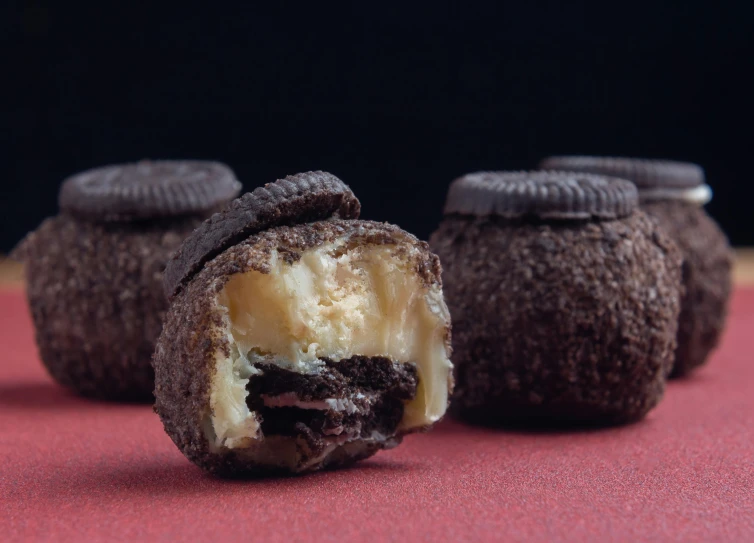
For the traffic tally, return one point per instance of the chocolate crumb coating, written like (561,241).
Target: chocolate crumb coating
(94,272)
(96,299)
(707,278)
(673,193)
(236,407)
(558,321)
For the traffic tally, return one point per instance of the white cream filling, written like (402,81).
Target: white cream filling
(700,195)
(289,399)
(334,302)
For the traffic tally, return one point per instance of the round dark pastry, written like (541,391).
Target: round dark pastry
(557,319)
(312,340)
(94,272)
(674,193)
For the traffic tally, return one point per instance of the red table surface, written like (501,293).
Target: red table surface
(73,469)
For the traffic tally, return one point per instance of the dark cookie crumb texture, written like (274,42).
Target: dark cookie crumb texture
(559,323)
(184,358)
(96,299)
(707,265)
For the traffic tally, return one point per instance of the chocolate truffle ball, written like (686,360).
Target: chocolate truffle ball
(564,299)
(94,272)
(298,336)
(674,193)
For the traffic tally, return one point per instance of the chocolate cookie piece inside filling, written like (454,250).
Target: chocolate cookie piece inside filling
(355,398)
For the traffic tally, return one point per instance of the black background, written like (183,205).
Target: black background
(396,99)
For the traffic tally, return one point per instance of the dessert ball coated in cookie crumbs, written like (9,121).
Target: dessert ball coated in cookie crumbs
(94,272)
(674,193)
(564,299)
(299,337)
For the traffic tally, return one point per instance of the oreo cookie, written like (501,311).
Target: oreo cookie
(673,193)
(538,194)
(313,342)
(300,198)
(148,190)
(644,173)
(94,272)
(565,309)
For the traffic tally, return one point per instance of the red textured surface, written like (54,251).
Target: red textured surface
(72,469)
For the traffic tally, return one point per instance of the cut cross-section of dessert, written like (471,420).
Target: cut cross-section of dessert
(304,346)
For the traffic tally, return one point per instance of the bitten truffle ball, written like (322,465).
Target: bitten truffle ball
(94,272)
(674,193)
(564,299)
(298,336)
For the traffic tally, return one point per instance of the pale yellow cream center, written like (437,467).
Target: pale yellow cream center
(331,303)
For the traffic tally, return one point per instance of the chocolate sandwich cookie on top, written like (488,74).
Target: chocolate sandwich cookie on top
(674,193)
(94,272)
(298,336)
(564,298)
